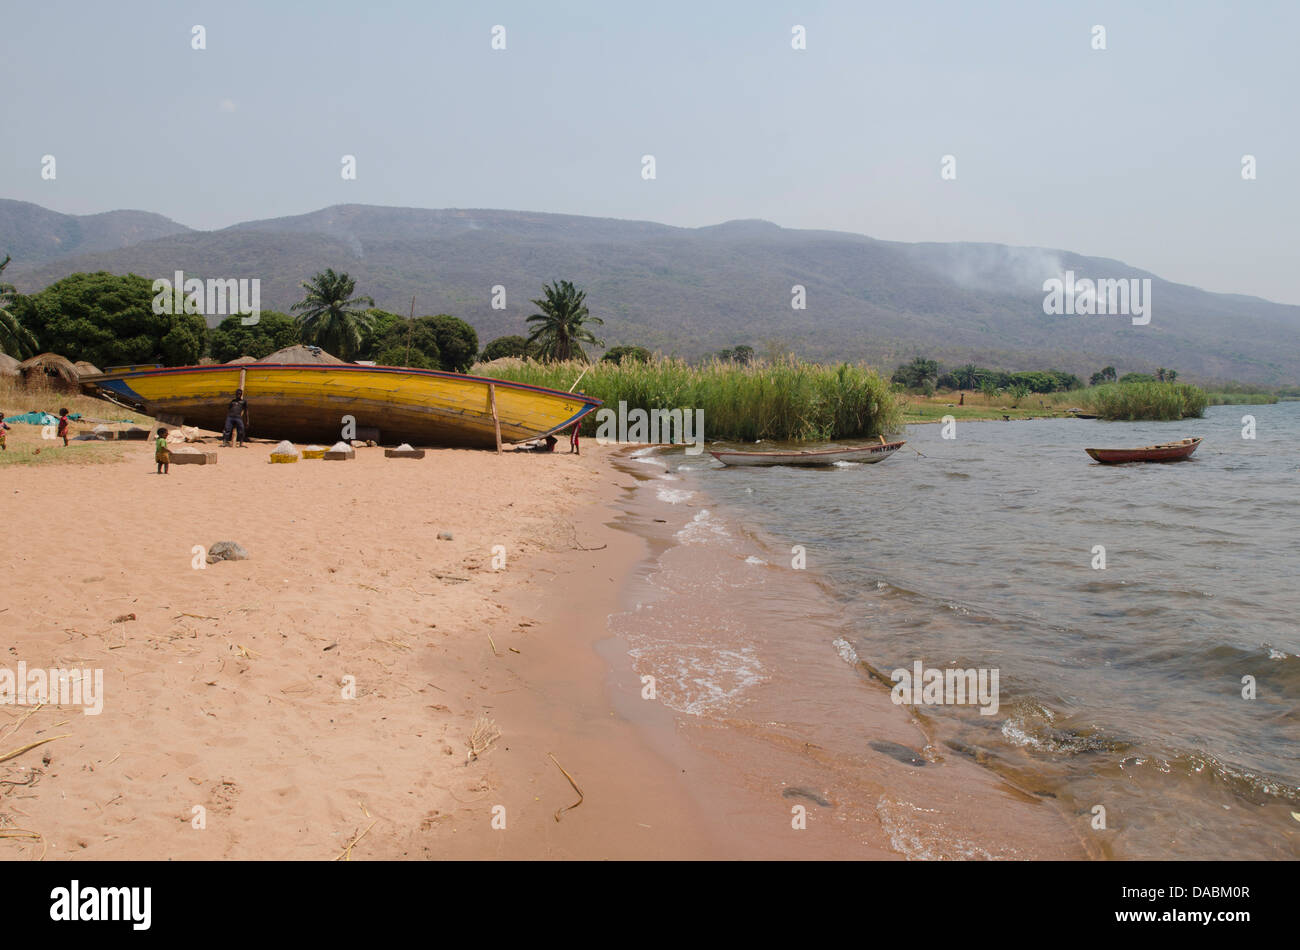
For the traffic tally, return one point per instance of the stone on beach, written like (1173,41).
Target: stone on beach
(226,551)
(184,455)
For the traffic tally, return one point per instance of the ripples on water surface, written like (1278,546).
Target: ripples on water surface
(1120,687)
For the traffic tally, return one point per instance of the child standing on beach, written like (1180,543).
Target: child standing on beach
(161,455)
(4,427)
(63,427)
(573,441)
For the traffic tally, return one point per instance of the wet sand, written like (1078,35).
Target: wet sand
(323,693)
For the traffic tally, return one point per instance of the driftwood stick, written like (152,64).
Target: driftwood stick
(571,782)
(31,745)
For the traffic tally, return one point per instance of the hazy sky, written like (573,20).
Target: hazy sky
(1133,152)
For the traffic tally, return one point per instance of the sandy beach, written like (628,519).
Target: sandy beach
(317,701)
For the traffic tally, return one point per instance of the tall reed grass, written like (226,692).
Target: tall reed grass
(1241,399)
(788,400)
(1138,401)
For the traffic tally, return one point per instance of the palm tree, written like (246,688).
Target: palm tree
(967,377)
(15,339)
(561,326)
(331,317)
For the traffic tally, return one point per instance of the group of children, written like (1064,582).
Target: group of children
(62,432)
(161,455)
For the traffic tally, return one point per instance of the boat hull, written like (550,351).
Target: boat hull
(308,403)
(1166,452)
(866,454)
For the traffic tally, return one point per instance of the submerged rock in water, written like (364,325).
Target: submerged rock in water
(226,551)
(896,751)
(795,792)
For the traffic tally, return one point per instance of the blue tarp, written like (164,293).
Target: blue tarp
(40,418)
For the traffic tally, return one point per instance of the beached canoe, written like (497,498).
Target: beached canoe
(307,403)
(1164,452)
(863,453)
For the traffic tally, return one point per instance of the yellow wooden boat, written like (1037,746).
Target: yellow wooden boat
(309,403)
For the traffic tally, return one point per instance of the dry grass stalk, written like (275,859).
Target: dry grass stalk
(571,782)
(480,740)
(19,724)
(31,745)
(346,855)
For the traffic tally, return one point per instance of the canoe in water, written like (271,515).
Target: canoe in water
(863,453)
(1164,452)
(307,403)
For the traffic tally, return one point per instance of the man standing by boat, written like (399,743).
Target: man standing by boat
(236,418)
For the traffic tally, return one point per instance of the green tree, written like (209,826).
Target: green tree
(1064,382)
(618,355)
(457,342)
(110,320)
(989,387)
(742,354)
(381,322)
(273,331)
(1137,378)
(15,339)
(402,355)
(918,374)
(967,376)
(330,316)
(505,346)
(409,343)
(562,323)
(1107,375)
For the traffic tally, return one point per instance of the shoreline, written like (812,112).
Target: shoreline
(809,728)
(223,693)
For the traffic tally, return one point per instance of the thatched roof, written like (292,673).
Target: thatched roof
(86,369)
(52,365)
(501,362)
(240,359)
(300,355)
(8,365)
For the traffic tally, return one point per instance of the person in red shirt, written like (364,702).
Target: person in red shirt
(573,440)
(63,426)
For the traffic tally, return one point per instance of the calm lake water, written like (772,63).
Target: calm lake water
(1120,687)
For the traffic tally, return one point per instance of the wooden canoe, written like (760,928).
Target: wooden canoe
(307,403)
(1164,452)
(863,453)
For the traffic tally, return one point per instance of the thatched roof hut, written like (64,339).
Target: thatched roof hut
(50,369)
(240,359)
(8,365)
(84,368)
(300,355)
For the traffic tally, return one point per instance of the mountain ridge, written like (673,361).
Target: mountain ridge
(691,291)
